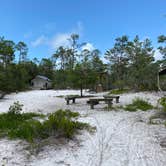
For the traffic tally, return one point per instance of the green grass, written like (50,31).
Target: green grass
(14,124)
(162,102)
(138,104)
(19,125)
(118,91)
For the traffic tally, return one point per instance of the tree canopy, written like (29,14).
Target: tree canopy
(130,64)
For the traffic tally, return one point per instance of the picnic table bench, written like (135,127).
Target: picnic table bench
(112,96)
(73,98)
(96,101)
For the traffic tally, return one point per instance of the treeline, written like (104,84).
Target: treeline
(130,64)
(16,70)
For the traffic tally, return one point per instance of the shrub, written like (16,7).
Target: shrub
(138,103)
(118,91)
(23,125)
(28,130)
(131,108)
(61,123)
(16,108)
(162,102)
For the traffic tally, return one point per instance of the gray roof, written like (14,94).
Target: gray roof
(42,77)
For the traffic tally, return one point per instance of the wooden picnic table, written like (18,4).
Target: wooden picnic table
(112,96)
(96,101)
(73,98)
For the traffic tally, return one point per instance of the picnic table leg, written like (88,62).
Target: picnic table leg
(109,103)
(73,100)
(67,102)
(117,99)
(91,105)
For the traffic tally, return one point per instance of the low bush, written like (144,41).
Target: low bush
(162,102)
(16,108)
(118,91)
(14,124)
(130,107)
(61,123)
(138,103)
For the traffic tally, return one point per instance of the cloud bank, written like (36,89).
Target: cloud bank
(58,39)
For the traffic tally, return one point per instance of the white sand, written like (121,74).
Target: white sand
(122,138)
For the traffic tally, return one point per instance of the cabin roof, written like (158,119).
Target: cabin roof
(42,77)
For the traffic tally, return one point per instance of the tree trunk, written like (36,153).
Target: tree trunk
(81,90)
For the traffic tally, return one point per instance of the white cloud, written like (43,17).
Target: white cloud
(88,46)
(41,40)
(158,55)
(60,39)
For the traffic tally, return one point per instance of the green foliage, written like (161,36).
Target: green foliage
(162,102)
(61,123)
(130,107)
(138,103)
(46,68)
(142,69)
(131,64)
(16,108)
(7,50)
(118,91)
(15,124)
(118,59)
(15,77)
(28,130)
(162,49)
(23,50)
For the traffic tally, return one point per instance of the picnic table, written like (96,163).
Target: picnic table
(71,97)
(96,101)
(74,97)
(112,96)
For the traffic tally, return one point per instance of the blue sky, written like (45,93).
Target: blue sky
(45,24)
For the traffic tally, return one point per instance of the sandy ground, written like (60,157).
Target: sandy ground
(122,138)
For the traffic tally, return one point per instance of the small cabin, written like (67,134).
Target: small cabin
(41,82)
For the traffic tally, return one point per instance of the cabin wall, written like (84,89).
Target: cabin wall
(38,83)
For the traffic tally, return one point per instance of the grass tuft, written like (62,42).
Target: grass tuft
(61,123)
(138,104)
(118,91)
(162,102)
